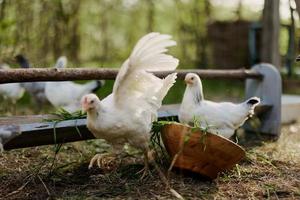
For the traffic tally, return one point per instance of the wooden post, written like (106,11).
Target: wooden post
(270,33)
(269,91)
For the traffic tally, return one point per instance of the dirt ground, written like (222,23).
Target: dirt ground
(271,170)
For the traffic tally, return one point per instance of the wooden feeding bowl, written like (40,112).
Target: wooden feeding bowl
(206,154)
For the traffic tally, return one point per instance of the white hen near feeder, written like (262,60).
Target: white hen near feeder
(220,118)
(126,115)
(7,133)
(67,94)
(11,91)
(35,89)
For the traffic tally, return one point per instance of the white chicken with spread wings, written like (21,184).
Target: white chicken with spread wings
(221,118)
(126,115)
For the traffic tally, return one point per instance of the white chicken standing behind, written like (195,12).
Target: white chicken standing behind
(35,89)
(67,94)
(61,62)
(11,91)
(126,115)
(7,133)
(223,118)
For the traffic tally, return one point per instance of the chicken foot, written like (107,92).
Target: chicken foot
(104,160)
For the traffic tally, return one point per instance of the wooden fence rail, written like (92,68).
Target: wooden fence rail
(52,74)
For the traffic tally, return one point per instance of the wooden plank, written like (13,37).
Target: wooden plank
(165,111)
(52,74)
(26,119)
(42,133)
(34,131)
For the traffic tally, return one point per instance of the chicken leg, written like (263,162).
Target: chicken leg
(148,157)
(107,160)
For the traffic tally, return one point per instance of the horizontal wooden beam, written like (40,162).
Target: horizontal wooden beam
(53,74)
(34,131)
(43,133)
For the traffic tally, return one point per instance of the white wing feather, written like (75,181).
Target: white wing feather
(135,86)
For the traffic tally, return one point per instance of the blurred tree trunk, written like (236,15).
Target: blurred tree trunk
(204,38)
(270,33)
(48,44)
(239,10)
(2,16)
(298,6)
(181,30)
(66,38)
(197,31)
(298,11)
(24,26)
(73,30)
(59,24)
(2,9)
(192,23)
(104,24)
(151,14)
(201,14)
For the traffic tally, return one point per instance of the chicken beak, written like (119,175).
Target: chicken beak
(188,81)
(84,105)
(83,108)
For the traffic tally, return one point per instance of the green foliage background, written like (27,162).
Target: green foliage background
(101,33)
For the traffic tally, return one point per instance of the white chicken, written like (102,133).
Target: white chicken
(7,133)
(67,94)
(221,118)
(61,62)
(11,91)
(126,115)
(35,89)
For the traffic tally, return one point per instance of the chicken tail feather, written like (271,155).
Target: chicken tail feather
(252,103)
(98,84)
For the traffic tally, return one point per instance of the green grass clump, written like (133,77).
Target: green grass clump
(62,114)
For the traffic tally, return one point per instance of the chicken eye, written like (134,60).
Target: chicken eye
(92,101)
(192,78)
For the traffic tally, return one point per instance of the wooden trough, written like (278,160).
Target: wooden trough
(203,153)
(263,81)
